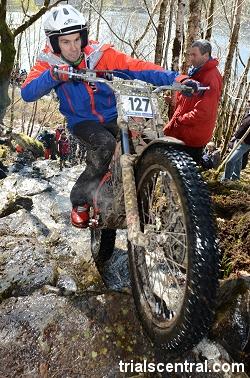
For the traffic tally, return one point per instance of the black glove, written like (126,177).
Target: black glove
(194,85)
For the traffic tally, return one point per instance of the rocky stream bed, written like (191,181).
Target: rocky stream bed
(58,320)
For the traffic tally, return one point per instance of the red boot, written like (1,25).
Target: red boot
(80,216)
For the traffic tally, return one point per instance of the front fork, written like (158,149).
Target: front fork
(135,236)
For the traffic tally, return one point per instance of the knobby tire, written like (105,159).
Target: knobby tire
(174,280)
(102,244)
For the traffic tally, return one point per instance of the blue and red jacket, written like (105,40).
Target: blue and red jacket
(80,101)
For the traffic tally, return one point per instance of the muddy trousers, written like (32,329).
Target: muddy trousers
(100,140)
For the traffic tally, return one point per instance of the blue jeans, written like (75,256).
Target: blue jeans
(234,164)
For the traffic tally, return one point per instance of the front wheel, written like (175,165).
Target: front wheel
(174,280)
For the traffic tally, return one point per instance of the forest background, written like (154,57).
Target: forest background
(164,34)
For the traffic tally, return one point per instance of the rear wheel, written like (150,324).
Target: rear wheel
(111,261)
(102,244)
(174,280)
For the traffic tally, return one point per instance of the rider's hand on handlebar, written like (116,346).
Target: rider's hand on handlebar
(60,76)
(193,86)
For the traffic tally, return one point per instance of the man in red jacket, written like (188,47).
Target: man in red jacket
(194,118)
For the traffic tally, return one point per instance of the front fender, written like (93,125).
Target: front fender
(163,141)
(166,140)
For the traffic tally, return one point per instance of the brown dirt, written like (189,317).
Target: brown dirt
(232,209)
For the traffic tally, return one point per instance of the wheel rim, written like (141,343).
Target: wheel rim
(162,267)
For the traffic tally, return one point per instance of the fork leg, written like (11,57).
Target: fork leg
(131,206)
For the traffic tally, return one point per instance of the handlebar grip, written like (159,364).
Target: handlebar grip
(81,75)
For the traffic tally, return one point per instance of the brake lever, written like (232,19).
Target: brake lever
(81,75)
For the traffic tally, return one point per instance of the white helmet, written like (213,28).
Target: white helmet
(63,20)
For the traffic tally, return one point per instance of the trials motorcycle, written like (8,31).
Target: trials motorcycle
(155,191)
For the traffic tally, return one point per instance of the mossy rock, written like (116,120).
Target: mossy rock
(3,151)
(28,144)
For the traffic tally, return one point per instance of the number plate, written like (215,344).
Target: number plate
(138,106)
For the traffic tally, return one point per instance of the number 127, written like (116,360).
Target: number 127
(138,103)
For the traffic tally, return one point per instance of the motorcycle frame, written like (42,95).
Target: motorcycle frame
(127,160)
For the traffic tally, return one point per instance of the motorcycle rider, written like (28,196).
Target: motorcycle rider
(89,108)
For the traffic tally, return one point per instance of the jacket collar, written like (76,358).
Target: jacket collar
(210,63)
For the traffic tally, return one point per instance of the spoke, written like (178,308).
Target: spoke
(165,259)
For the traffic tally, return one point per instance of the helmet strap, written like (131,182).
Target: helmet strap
(74,64)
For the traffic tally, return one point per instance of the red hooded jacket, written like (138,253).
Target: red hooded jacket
(64,145)
(194,118)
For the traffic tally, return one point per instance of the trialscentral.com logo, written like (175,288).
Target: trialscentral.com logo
(184,367)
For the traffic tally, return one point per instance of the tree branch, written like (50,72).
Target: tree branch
(35,17)
(120,39)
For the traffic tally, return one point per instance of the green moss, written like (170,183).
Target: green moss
(28,143)
(226,265)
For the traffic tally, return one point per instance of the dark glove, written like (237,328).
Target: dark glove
(60,76)
(193,85)
(194,88)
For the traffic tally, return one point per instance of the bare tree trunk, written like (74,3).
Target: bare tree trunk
(210,20)
(236,114)
(32,118)
(193,30)
(160,33)
(12,108)
(99,21)
(179,35)
(224,115)
(140,39)
(232,43)
(23,118)
(14,84)
(167,42)
(7,59)
(177,47)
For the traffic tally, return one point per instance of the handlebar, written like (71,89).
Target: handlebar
(91,76)
(179,87)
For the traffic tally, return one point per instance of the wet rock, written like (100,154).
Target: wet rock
(33,186)
(24,223)
(15,204)
(25,266)
(115,271)
(61,208)
(66,285)
(57,317)
(232,325)
(88,336)
(46,289)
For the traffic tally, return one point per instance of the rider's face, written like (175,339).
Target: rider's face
(196,58)
(70,46)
